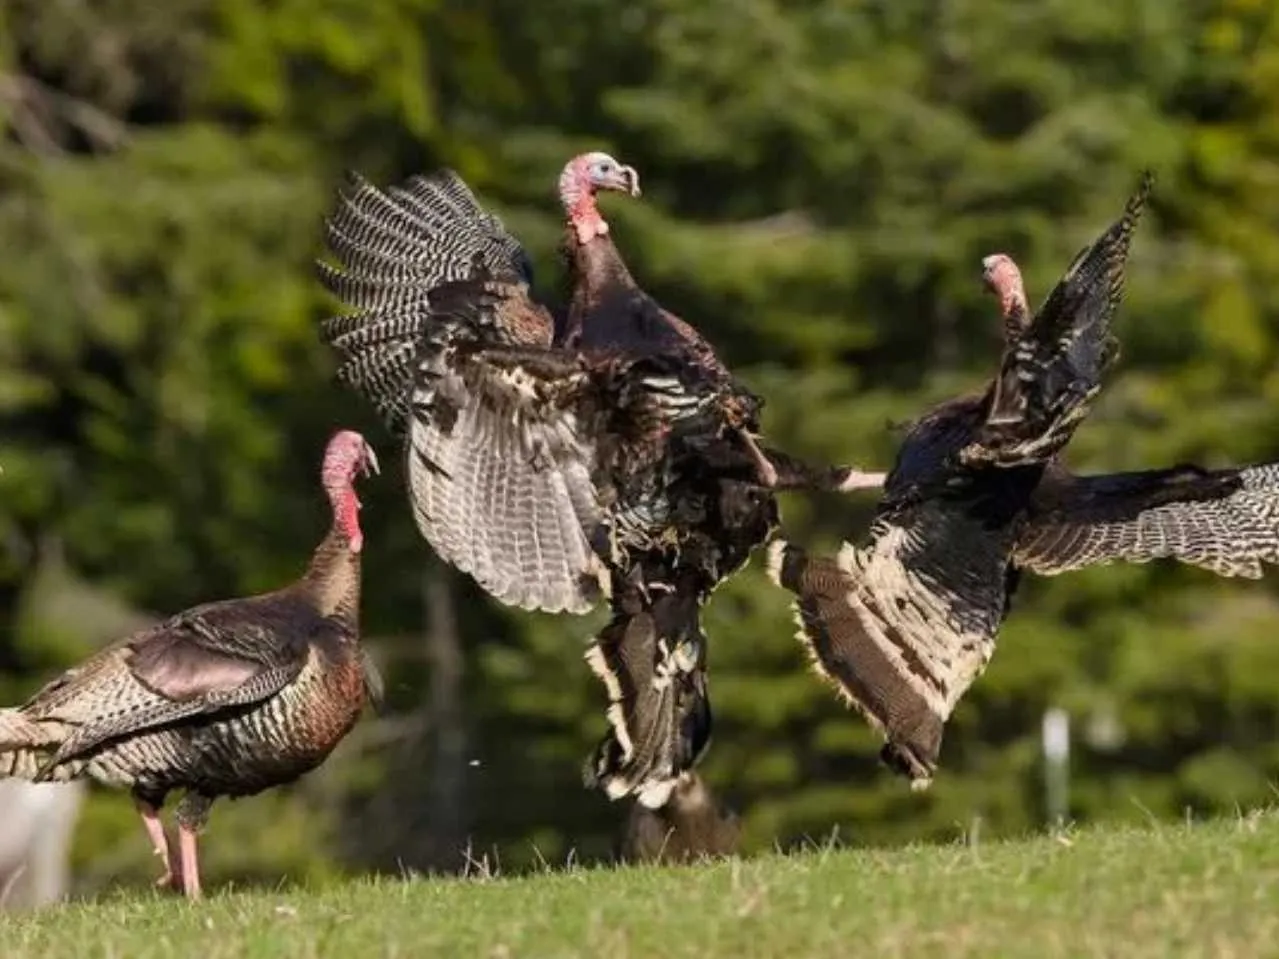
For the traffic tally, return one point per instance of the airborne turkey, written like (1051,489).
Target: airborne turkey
(225,699)
(603,452)
(904,624)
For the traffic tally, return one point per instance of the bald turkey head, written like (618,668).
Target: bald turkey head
(1003,278)
(582,179)
(347,457)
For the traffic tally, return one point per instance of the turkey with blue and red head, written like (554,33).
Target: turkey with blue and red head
(603,452)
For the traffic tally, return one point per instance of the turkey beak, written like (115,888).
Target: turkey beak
(630,180)
(624,180)
(988,264)
(371,467)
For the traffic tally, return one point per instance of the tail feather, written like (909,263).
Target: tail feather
(844,653)
(652,661)
(26,746)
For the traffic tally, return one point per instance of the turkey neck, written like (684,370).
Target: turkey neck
(593,267)
(332,582)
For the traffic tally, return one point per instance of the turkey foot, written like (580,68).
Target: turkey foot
(150,814)
(856,479)
(763,466)
(794,474)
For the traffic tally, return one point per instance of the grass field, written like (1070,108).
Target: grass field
(1173,890)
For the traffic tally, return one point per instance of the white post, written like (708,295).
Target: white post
(1056,739)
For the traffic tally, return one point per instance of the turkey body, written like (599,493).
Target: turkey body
(561,460)
(903,624)
(239,749)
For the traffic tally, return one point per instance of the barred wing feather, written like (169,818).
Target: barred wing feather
(500,464)
(498,469)
(393,249)
(205,660)
(1226,520)
(1051,372)
(504,492)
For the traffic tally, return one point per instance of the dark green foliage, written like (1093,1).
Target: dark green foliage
(820,184)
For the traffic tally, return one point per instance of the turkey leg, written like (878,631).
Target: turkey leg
(763,466)
(780,471)
(159,841)
(856,479)
(193,813)
(188,839)
(773,469)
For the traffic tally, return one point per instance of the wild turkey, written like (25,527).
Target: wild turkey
(691,826)
(225,699)
(903,625)
(604,452)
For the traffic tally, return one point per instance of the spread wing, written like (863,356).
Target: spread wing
(1224,520)
(499,468)
(1051,371)
(392,250)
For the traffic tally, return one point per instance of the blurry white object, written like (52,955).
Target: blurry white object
(1056,744)
(35,841)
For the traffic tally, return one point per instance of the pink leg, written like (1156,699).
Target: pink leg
(159,841)
(767,471)
(856,479)
(187,839)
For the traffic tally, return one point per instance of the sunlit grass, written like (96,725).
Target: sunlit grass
(1181,890)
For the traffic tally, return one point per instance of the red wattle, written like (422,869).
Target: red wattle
(346,512)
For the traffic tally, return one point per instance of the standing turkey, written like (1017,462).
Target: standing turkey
(557,459)
(225,699)
(903,625)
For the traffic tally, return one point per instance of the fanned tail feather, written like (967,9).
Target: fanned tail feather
(844,654)
(27,746)
(652,661)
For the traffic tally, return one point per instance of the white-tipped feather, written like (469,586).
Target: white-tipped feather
(657,795)
(599,666)
(776,555)
(617,720)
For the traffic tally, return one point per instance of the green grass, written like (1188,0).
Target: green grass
(1173,890)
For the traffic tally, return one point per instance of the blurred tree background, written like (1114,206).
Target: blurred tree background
(821,181)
